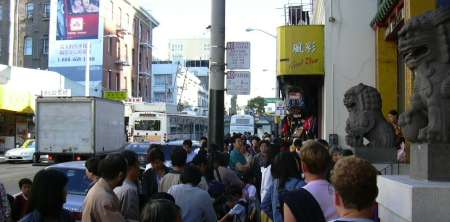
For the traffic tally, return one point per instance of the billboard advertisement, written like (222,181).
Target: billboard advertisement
(75,27)
(300,50)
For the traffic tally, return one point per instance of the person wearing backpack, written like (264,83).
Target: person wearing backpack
(238,205)
(286,173)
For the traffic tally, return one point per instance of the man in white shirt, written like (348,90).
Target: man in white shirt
(196,204)
(315,161)
(187,145)
(355,180)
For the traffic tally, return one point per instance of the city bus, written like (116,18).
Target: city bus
(242,124)
(166,127)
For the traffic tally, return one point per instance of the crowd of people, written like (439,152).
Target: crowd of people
(250,179)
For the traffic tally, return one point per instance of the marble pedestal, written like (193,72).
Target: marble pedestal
(404,199)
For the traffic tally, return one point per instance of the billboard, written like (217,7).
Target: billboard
(75,27)
(300,50)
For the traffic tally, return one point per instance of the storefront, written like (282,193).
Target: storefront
(18,89)
(393,79)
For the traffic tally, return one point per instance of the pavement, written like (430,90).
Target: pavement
(11,173)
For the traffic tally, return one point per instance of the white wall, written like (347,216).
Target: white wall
(349,57)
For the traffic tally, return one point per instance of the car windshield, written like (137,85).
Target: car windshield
(78,181)
(139,148)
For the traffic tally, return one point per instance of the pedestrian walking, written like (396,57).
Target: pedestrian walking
(238,160)
(187,145)
(101,203)
(287,177)
(173,177)
(21,205)
(196,204)
(48,195)
(161,210)
(152,176)
(315,162)
(128,194)
(92,170)
(355,181)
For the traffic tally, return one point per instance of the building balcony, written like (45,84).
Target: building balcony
(122,62)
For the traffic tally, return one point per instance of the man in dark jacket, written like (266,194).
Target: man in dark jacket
(153,176)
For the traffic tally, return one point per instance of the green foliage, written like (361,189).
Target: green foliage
(257,105)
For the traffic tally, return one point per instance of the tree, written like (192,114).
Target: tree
(257,104)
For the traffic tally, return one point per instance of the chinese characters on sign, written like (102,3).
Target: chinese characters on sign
(238,55)
(304,47)
(57,93)
(238,83)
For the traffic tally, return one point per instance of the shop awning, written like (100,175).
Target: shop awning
(12,97)
(384,10)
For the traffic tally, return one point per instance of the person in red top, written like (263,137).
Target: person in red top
(21,205)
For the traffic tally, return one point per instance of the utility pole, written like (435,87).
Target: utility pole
(87,80)
(217,74)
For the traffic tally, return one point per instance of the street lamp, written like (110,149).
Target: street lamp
(260,30)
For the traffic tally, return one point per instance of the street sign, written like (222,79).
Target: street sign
(238,83)
(272,100)
(57,93)
(238,55)
(116,95)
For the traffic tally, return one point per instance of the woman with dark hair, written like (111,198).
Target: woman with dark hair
(48,195)
(161,210)
(287,177)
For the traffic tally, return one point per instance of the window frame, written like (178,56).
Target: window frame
(45,45)
(46,9)
(29,12)
(28,46)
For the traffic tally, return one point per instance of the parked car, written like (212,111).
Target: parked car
(141,149)
(25,153)
(77,187)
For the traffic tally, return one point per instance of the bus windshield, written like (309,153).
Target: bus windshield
(147,125)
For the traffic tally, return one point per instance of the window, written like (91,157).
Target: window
(118,82)
(126,53)
(110,43)
(120,17)
(45,46)
(1,46)
(112,11)
(28,46)
(1,12)
(46,10)
(148,125)
(127,22)
(110,80)
(29,10)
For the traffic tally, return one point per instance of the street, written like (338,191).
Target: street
(10,174)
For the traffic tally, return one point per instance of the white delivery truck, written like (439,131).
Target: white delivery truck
(77,128)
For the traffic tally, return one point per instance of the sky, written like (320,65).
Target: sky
(189,19)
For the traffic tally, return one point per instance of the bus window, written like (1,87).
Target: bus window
(148,125)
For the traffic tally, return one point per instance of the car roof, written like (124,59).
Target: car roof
(70,165)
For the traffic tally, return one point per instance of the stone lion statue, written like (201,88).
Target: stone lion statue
(424,43)
(366,119)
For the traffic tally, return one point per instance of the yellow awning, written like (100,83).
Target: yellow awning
(14,98)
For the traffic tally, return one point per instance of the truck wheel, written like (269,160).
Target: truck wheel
(36,157)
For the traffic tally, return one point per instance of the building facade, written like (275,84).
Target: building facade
(175,84)
(127,42)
